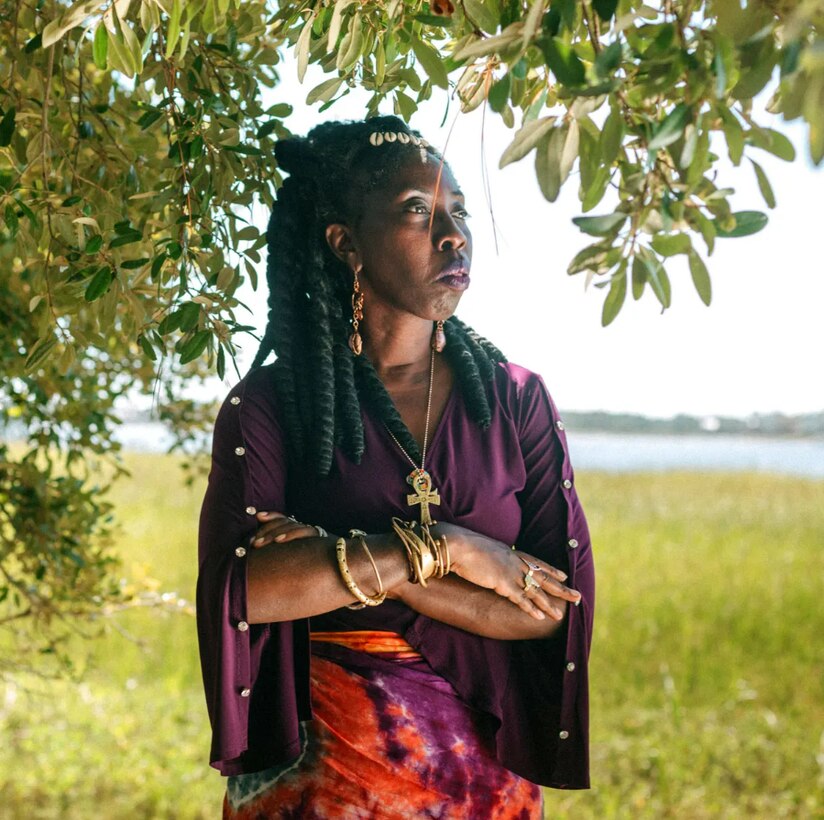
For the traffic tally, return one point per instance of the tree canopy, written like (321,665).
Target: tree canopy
(135,135)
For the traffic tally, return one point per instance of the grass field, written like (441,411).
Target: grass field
(707,667)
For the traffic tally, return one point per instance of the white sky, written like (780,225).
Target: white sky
(755,349)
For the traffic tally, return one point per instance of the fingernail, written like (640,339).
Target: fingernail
(576,603)
(258,541)
(557,613)
(540,615)
(280,537)
(562,575)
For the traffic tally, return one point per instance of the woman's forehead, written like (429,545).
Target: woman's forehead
(427,174)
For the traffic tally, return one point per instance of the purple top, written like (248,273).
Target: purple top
(512,482)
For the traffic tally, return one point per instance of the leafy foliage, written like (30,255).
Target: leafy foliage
(134,138)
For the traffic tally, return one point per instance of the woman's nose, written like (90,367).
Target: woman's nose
(448,233)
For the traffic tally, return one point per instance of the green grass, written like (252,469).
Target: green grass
(707,669)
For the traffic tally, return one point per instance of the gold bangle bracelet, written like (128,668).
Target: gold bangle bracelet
(346,575)
(380,595)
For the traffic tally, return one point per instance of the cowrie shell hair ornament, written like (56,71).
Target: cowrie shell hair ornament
(377,138)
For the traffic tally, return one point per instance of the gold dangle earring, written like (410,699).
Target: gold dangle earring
(438,337)
(355,341)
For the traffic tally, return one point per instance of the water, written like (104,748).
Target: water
(624,452)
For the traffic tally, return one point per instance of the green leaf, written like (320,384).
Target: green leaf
(40,351)
(657,277)
(670,128)
(700,277)
(323,92)
(149,117)
(526,139)
(194,346)
(221,363)
(100,283)
(126,239)
(100,46)
(609,59)
(189,316)
(94,244)
(593,257)
(499,93)
(173,31)
(764,184)
(147,347)
(169,323)
(481,14)
(432,63)
(302,47)
(134,264)
(12,222)
(773,141)
(555,157)
(565,64)
(600,225)
(350,47)
(617,295)
(611,137)
(336,23)
(746,224)
(7,126)
(605,8)
(671,244)
(433,20)
(639,277)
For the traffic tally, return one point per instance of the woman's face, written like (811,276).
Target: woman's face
(413,242)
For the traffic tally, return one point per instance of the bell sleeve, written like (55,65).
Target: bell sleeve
(548,685)
(256,676)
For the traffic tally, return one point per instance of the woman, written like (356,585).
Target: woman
(439,498)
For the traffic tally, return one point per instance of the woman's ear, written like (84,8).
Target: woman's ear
(339,239)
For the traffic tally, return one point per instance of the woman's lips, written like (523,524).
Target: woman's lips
(455,275)
(456,281)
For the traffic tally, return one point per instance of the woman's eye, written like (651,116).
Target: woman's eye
(419,208)
(462,213)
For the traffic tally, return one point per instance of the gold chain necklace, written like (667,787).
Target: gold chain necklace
(425,494)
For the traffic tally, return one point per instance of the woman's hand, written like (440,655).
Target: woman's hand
(528,582)
(277,528)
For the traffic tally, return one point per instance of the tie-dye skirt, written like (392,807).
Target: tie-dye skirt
(390,739)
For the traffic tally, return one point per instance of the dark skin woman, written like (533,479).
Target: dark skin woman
(412,248)
(395,643)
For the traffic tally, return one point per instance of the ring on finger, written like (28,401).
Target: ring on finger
(530,584)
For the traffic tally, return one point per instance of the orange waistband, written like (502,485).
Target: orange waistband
(372,641)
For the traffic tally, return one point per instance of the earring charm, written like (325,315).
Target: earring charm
(438,337)
(355,341)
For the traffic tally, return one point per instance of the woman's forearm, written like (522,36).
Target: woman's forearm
(474,609)
(301,578)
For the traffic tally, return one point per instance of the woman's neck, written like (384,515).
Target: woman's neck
(399,348)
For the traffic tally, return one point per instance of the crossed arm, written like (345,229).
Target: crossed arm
(293,573)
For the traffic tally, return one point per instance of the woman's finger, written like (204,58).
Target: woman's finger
(523,602)
(281,531)
(548,578)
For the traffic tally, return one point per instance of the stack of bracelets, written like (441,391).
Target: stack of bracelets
(428,558)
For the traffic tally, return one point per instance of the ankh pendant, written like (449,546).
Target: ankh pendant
(424,494)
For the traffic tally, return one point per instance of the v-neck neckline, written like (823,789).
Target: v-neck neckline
(436,433)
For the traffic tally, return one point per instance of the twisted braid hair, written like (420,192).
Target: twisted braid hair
(320,384)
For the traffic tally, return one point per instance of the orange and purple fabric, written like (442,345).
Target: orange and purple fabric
(390,739)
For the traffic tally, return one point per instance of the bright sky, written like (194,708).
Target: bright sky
(757,348)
